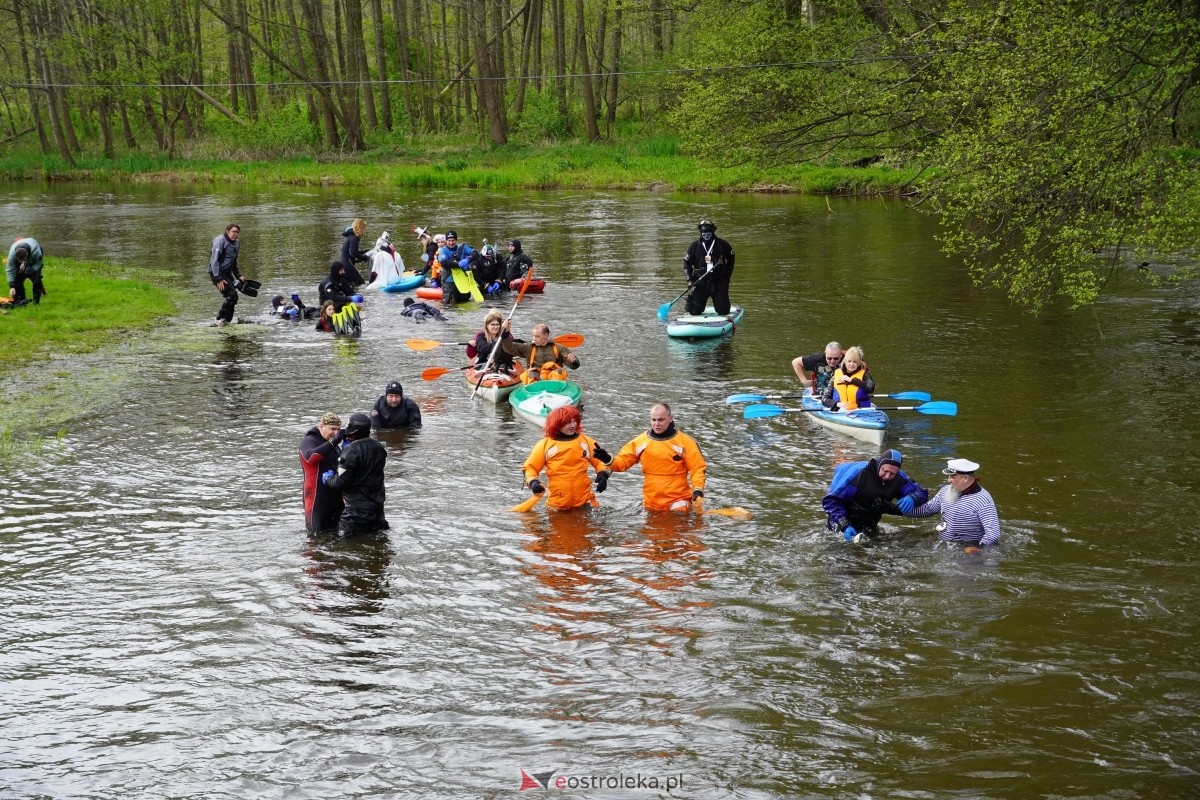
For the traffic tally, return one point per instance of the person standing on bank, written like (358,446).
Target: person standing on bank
(359,477)
(223,269)
(968,512)
(24,263)
(322,505)
(673,469)
(394,410)
(709,265)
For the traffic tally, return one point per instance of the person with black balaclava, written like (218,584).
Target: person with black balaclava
(359,477)
(394,410)
(863,491)
(517,265)
(338,287)
(708,265)
(322,505)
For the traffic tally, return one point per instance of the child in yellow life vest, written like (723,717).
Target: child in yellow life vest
(673,469)
(851,386)
(565,454)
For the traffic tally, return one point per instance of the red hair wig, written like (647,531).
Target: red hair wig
(560,417)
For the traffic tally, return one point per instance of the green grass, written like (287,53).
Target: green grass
(655,163)
(88,305)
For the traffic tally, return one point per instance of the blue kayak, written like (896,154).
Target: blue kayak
(866,424)
(706,325)
(408,281)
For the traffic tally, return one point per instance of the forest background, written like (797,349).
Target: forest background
(1055,140)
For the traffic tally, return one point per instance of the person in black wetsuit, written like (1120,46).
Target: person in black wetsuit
(394,410)
(322,505)
(352,252)
(359,477)
(708,265)
(517,264)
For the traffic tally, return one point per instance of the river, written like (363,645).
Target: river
(170,630)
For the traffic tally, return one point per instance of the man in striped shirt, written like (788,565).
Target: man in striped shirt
(968,512)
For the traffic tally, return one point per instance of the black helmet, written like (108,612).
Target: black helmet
(707,225)
(359,427)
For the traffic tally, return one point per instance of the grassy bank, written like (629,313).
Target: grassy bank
(648,164)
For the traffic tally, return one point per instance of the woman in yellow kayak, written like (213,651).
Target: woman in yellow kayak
(565,454)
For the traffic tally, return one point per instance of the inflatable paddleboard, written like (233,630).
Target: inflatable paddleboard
(407,281)
(706,325)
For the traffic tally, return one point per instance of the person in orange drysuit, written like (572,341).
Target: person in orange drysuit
(672,465)
(565,454)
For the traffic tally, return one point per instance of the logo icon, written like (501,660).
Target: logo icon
(537,780)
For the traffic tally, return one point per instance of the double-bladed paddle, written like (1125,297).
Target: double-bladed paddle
(421,345)
(943,408)
(920,397)
(491,359)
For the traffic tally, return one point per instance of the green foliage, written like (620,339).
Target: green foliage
(284,131)
(540,120)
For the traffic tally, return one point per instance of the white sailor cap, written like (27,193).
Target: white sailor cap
(956,466)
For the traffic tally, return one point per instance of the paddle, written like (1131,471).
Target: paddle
(421,345)
(433,373)
(920,397)
(491,359)
(736,512)
(665,308)
(937,407)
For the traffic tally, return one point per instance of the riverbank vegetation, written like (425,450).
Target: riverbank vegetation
(88,305)
(1056,141)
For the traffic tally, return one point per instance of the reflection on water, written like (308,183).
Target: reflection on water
(172,631)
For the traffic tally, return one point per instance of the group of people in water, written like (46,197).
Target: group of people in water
(343,467)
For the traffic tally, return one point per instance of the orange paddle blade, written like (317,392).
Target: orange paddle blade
(433,373)
(424,344)
(528,504)
(737,512)
(569,339)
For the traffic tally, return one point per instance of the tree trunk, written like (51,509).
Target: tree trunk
(35,97)
(381,67)
(559,12)
(585,80)
(610,111)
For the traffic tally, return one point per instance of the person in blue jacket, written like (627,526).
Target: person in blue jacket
(24,263)
(453,254)
(863,491)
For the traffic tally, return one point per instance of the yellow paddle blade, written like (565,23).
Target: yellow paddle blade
(736,512)
(528,504)
(420,345)
(569,339)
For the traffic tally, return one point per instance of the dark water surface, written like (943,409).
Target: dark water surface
(169,629)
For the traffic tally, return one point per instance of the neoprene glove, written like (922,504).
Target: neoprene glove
(602,455)
(296,299)
(906,504)
(849,533)
(696,493)
(327,476)
(358,298)
(601,482)
(338,438)
(536,487)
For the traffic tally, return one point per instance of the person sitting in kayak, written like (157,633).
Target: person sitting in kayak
(421,311)
(673,468)
(565,454)
(546,360)
(820,366)
(851,384)
(863,491)
(480,348)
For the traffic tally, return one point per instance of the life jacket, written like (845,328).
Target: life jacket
(546,371)
(848,393)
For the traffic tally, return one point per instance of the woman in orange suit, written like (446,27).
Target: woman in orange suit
(565,454)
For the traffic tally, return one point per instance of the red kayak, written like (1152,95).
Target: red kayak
(536,285)
(429,292)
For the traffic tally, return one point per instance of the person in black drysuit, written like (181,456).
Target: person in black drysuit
(352,252)
(488,270)
(420,311)
(359,477)
(394,410)
(322,505)
(338,287)
(518,263)
(709,265)
(861,492)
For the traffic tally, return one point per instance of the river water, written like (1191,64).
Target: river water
(170,630)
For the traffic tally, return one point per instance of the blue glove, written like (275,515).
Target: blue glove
(849,533)
(536,487)
(906,504)
(464,263)
(327,476)
(358,298)
(293,313)
(601,482)
(493,287)
(296,299)
(435,283)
